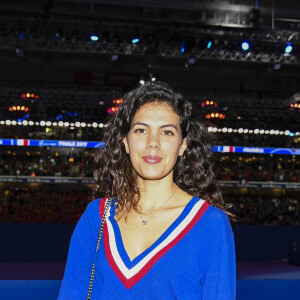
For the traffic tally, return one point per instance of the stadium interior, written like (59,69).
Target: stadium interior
(66,64)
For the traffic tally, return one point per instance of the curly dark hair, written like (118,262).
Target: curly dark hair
(193,171)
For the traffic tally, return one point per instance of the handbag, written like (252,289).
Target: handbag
(103,220)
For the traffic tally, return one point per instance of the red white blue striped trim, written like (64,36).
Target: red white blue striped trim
(130,277)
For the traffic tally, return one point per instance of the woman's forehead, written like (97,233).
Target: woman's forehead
(156,110)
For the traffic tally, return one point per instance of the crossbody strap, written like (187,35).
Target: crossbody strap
(103,220)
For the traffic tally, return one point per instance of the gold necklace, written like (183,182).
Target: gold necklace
(144,221)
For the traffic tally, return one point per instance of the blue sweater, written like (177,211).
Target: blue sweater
(193,259)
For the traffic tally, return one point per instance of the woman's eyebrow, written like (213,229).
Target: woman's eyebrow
(162,126)
(169,125)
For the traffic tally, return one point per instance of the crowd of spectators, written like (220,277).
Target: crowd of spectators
(276,168)
(37,206)
(266,209)
(63,165)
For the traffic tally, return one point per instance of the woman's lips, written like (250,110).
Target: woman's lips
(152,159)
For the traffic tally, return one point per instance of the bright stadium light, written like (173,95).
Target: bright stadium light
(182,47)
(94,38)
(134,41)
(245,46)
(209,44)
(288,48)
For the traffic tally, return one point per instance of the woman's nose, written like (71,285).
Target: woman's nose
(153,141)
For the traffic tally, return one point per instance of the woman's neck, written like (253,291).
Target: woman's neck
(154,193)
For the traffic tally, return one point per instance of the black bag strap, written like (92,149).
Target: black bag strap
(103,220)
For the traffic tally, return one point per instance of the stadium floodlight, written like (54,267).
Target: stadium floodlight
(288,48)
(134,41)
(182,48)
(209,44)
(245,46)
(152,77)
(94,38)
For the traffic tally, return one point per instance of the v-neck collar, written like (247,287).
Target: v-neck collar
(131,271)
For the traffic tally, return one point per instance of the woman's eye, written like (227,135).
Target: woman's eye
(168,132)
(140,130)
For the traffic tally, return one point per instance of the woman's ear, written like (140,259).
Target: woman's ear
(125,142)
(183,147)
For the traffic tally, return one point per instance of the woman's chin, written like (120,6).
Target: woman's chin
(153,175)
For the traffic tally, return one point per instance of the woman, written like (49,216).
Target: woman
(167,234)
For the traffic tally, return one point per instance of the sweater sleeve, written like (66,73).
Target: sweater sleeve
(220,279)
(80,257)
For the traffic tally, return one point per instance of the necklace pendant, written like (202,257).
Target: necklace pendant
(144,222)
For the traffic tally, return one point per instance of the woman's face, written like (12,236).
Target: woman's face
(154,141)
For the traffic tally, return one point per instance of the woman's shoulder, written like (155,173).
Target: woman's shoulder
(93,206)
(92,212)
(215,219)
(217,214)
